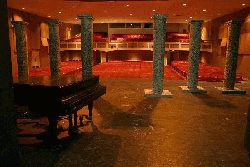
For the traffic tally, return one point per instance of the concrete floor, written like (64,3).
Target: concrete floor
(129,130)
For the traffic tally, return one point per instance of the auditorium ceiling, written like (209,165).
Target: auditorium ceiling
(180,11)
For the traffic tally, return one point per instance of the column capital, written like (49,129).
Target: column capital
(52,22)
(89,16)
(19,23)
(197,21)
(235,22)
(160,16)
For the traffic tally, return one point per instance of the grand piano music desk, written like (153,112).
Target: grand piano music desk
(57,96)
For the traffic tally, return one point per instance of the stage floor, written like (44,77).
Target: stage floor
(131,130)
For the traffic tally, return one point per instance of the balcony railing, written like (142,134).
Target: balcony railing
(111,46)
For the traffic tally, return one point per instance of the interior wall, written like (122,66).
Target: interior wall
(37,32)
(32,33)
(70,55)
(219,30)
(176,27)
(100,27)
(65,28)
(129,31)
(170,27)
(144,55)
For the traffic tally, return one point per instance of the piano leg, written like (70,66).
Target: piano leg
(75,119)
(52,131)
(73,129)
(70,122)
(90,107)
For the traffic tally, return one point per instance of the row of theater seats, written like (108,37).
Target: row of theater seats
(206,72)
(113,69)
(132,69)
(66,67)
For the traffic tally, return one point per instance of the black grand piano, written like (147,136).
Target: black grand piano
(57,96)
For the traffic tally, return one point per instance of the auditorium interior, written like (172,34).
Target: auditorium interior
(129,128)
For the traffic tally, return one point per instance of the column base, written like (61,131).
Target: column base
(198,90)
(223,90)
(164,94)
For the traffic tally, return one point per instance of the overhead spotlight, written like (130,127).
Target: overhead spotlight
(151,17)
(190,17)
(76,18)
(204,10)
(130,14)
(59,12)
(184,4)
(186,20)
(243,4)
(23,8)
(127,5)
(153,10)
(49,16)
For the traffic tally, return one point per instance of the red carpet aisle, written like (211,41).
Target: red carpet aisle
(206,72)
(113,69)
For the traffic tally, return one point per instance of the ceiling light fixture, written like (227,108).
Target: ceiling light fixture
(23,8)
(243,4)
(130,14)
(76,18)
(49,16)
(151,17)
(191,17)
(127,5)
(184,4)
(186,20)
(204,10)
(59,12)
(153,10)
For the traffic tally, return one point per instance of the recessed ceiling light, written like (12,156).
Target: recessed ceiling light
(190,17)
(101,22)
(186,20)
(204,10)
(151,17)
(243,4)
(23,8)
(49,16)
(130,14)
(131,24)
(76,18)
(59,12)
(184,4)
(127,5)
(153,10)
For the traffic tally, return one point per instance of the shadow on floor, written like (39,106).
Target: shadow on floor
(137,116)
(85,149)
(213,102)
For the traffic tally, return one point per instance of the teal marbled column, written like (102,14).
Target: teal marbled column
(159,49)
(86,44)
(54,48)
(234,27)
(21,45)
(194,53)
